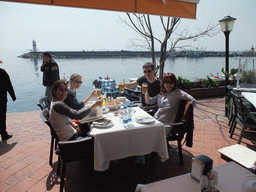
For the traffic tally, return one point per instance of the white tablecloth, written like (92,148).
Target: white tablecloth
(231,178)
(251,97)
(119,142)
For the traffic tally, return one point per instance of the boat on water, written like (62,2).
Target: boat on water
(109,87)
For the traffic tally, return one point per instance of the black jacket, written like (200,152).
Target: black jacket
(51,73)
(6,86)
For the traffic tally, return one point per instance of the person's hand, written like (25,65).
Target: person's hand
(99,101)
(94,93)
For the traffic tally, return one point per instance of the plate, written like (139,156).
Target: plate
(121,99)
(105,110)
(103,124)
(114,106)
(145,119)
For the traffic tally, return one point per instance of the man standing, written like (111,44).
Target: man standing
(153,84)
(50,71)
(6,86)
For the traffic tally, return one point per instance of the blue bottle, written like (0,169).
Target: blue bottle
(125,116)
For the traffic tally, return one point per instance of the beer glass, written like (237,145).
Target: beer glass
(144,88)
(98,92)
(121,87)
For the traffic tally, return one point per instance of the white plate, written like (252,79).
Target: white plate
(145,119)
(114,106)
(121,99)
(105,110)
(102,124)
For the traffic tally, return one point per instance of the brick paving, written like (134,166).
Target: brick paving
(24,158)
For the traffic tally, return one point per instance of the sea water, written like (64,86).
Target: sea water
(26,76)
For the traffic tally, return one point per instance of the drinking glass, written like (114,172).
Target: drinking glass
(144,88)
(121,87)
(98,92)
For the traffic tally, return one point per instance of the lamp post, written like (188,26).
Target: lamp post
(226,25)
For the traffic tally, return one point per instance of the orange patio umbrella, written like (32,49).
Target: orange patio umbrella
(174,8)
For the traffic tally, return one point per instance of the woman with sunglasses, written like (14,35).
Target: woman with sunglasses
(168,100)
(61,114)
(75,83)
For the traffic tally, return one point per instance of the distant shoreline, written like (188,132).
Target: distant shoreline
(123,53)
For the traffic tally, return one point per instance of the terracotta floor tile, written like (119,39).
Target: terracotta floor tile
(4,186)
(38,187)
(14,179)
(26,183)
(39,174)
(5,174)
(15,189)
(27,171)
(8,163)
(17,167)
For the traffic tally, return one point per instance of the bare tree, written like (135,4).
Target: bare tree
(171,37)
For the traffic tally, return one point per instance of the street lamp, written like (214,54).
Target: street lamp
(226,25)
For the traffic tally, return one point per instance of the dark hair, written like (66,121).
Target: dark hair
(56,85)
(168,77)
(149,64)
(47,54)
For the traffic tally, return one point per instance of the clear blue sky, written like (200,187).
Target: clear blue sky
(62,28)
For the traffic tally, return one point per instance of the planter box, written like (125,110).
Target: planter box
(200,93)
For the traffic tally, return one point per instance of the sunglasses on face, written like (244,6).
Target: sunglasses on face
(149,71)
(60,89)
(168,82)
(78,82)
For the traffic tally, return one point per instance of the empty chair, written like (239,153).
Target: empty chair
(44,103)
(184,123)
(73,151)
(243,116)
(54,138)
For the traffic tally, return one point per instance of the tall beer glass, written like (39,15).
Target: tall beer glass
(144,88)
(121,87)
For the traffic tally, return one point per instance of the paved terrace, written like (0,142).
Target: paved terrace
(24,158)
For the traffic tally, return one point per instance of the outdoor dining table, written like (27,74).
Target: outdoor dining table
(251,97)
(121,141)
(231,177)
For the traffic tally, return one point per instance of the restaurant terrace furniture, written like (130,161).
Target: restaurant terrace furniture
(73,151)
(120,141)
(180,127)
(241,155)
(231,177)
(251,97)
(244,116)
(54,138)
(44,103)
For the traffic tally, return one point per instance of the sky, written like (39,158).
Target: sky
(75,29)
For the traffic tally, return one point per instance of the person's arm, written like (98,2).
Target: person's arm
(92,95)
(188,97)
(75,114)
(10,88)
(150,100)
(131,85)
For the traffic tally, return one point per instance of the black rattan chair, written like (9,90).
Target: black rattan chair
(44,103)
(179,129)
(73,151)
(243,116)
(54,138)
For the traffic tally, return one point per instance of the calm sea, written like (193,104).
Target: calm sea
(26,76)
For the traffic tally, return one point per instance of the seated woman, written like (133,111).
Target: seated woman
(61,114)
(168,100)
(71,100)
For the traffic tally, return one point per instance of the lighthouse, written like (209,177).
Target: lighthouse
(34,45)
